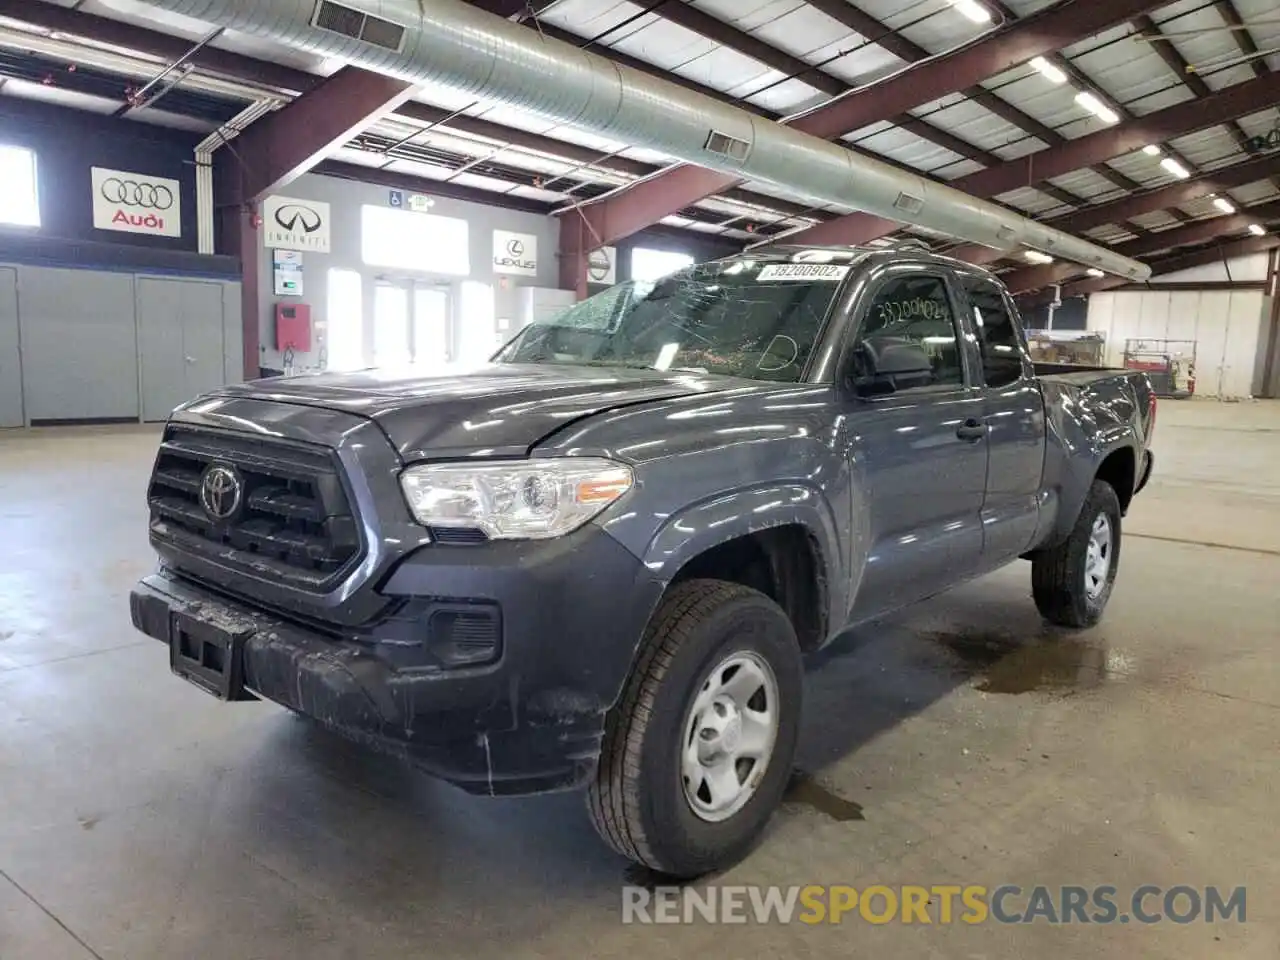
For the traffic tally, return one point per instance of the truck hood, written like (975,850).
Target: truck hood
(497,409)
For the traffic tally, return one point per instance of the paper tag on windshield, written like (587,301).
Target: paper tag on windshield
(810,272)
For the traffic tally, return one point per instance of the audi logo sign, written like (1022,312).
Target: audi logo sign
(292,224)
(136,203)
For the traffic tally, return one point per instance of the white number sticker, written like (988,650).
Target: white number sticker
(802,272)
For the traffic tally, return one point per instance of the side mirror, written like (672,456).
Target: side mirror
(886,365)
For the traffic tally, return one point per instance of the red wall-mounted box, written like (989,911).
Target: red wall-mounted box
(293,327)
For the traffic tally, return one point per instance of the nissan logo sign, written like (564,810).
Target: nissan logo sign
(294,216)
(137,193)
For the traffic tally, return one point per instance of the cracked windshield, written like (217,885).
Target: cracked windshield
(756,318)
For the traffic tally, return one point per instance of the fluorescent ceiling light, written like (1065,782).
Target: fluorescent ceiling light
(973,10)
(1095,272)
(1223,204)
(1095,106)
(1151,150)
(1257,229)
(1174,167)
(1035,256)
(1049,70)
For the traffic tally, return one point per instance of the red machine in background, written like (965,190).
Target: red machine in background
(1169,364)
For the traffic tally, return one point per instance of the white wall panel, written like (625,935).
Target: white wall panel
(1228,327)
(1101,310)
(1241,350)
(1153,317)
(1252,268)
(1211,337)
(1184,312)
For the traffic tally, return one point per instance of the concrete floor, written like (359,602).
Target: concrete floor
(141,819)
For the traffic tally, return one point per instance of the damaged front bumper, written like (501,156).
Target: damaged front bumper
(511,702)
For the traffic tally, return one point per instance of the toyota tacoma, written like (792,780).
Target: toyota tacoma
(599,559)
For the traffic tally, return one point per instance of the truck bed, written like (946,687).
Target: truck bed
(1074,372)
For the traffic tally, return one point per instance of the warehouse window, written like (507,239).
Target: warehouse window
(421,242)
(647,264)
(346,321)
(19,196)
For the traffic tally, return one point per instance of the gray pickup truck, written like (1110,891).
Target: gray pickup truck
(599,560)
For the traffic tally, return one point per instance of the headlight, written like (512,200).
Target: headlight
(517,500)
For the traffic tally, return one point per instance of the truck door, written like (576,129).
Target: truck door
(1013,411)
(915,438)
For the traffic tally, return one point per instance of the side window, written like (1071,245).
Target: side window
(908,339)
(997,333)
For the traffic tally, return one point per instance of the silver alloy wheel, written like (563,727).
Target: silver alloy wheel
(729,733)
(1097,558)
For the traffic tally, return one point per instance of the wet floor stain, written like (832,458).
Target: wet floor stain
(1014,665)
(806,791)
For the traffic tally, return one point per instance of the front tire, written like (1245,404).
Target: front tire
(698,751)
(1072,582)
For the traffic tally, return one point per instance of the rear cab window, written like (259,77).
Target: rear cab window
(1000,341)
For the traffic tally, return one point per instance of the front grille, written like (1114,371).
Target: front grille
(294,522)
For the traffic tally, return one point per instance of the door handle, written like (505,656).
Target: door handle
(971,430)
(190,359)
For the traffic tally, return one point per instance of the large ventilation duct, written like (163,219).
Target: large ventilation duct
(478,53)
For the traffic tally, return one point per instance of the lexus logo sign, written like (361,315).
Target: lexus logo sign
(515,253)
(292,224)
(136,203)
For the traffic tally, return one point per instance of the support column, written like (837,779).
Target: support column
(238,237)
(1273,326)
(574,247)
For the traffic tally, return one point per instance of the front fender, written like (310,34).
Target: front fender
(701,526)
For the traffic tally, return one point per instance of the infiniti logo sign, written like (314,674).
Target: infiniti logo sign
(295,216)
(293,224)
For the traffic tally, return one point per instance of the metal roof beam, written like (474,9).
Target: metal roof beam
(214,60)
(705,25)
(1167,52)
(1175,121)
(1041,33)
(1176,194)
(282,146)
(1061,25)
(1216,253)
(117,33)
(1191,234)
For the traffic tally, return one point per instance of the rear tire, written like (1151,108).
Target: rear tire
(710,645)
(1072,582)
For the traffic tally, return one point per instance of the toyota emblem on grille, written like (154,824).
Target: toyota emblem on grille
(221,492)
